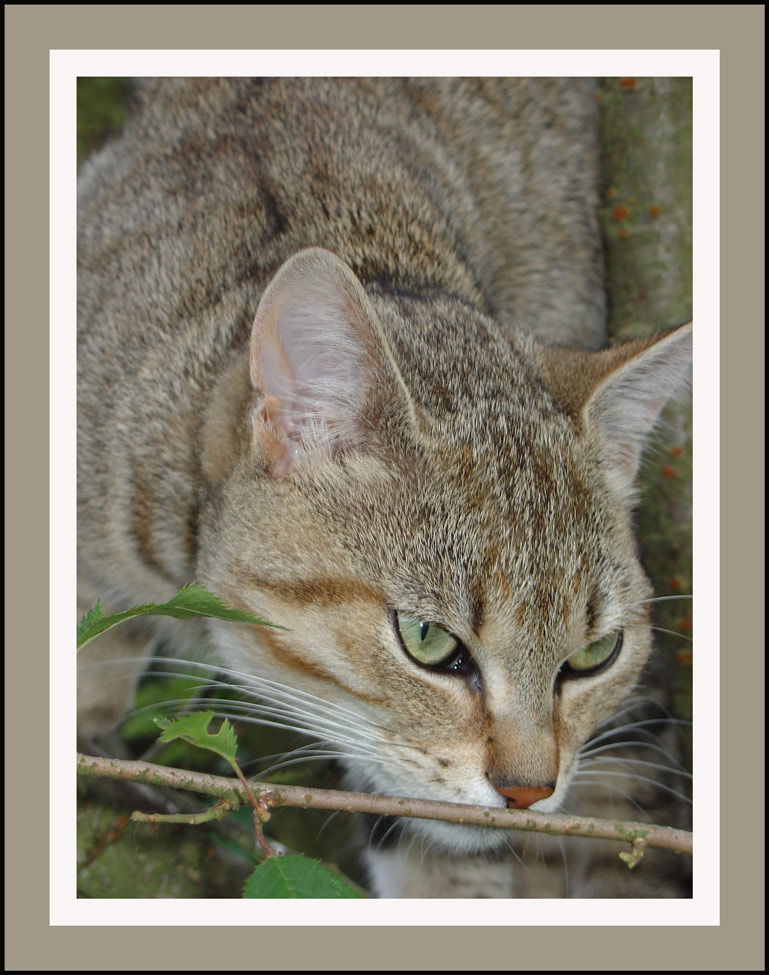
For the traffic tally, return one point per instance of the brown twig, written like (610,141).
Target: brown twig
(261,813)
(219,810)
(639,835)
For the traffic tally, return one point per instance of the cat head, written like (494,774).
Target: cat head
(440,513)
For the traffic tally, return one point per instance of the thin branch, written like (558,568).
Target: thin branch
(271,796)
(219,810)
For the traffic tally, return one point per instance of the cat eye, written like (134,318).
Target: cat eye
(593,657)
(430,645)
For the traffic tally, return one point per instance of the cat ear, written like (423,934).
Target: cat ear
(619,393)
(317,357)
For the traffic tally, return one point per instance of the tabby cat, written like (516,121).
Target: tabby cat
(338,362)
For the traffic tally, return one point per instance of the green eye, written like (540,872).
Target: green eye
(427,643)
(595,655)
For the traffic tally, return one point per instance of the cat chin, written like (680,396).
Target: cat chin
(457,839)
(469,840)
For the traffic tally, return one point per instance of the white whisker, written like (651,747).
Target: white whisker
(288,709)
(642,778)
(634,703)
(390,828)
(245,713)
(579,782)
(677,770)
(656,599)
(634,726)
(255,683)
(326,821)
(638,761)
(338,753)
(681,636)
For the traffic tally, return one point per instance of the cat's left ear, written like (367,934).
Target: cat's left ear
(320,363)
(618,393)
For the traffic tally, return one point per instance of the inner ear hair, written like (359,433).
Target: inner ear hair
(317,359)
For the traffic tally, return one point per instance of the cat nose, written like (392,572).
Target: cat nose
(522,796)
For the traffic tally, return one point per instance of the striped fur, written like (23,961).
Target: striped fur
(317,374)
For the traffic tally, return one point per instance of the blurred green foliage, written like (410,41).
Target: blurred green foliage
(100,111)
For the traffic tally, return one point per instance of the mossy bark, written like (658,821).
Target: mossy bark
(646,137)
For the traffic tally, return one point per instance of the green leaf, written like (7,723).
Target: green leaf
(156,697)
(189,602)
(295,876)
(89,621)
(194,729)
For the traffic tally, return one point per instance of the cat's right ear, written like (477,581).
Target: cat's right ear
(319,362)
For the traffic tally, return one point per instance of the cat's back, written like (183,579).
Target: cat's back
(488,186)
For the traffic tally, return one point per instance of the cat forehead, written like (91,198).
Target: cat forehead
(458,523)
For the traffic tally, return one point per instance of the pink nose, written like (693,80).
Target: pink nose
(522,796)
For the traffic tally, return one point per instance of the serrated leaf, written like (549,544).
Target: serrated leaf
(295,876)
(189,602)
(89,620)
(194,729)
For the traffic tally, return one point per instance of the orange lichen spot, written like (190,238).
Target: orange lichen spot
(669,472)
(654,212)
(622,233)
(684,657)
(620,212)
(675,451)
(674,583)
(627,84)
(685,624)
(609,192)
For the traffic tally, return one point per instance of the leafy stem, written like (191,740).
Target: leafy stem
(188,603)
